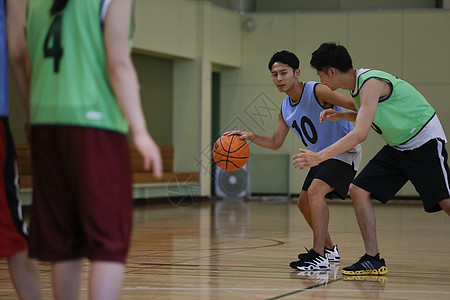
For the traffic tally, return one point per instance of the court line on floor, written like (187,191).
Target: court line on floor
(305,289)
(192,248)
(216,266)
(359,291)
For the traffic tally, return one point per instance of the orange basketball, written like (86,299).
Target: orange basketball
(230,152)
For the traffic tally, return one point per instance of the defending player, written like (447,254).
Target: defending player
(415,147)
(13,230)
(300,111)
(84,90)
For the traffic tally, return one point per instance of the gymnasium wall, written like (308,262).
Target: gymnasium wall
(406,43)
(307,5)
(409,44)
(326,5)
(156,82)
(178,43)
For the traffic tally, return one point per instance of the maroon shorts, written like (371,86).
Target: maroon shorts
(82,197)
(13,232)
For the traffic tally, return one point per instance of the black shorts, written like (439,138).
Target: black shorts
(337,174)
(425,166)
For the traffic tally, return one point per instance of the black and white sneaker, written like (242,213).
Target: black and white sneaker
(332,254)
(367,265)
(312,261)
(303,255)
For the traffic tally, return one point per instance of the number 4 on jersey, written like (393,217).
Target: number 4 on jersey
(54,49)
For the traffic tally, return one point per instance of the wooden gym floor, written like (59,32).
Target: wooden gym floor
(235,249)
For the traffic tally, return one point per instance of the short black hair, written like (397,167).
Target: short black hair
(285,57)
(331,55)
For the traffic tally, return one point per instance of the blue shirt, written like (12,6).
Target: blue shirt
(4,71)
(303,117)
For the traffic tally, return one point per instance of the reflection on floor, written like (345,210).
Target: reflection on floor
(234,248)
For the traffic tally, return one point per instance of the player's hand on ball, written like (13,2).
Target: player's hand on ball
(243,134)
(230,152)
(306,159)
(150,153)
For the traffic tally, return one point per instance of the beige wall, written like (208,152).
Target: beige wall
(166,27)
(198,37)
(186,40)
(156,81)
(409,44)
(307,5)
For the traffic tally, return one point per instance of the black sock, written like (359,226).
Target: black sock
(377,257)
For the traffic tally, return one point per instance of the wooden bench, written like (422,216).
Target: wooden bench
(140,176)
(167,153)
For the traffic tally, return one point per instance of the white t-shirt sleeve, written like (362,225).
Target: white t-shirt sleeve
(104,9)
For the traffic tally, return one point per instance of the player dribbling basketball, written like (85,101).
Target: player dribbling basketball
(300,111)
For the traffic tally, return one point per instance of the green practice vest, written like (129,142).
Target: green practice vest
(401,114)
(70,84)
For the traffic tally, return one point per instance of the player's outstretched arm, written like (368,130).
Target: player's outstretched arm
(332,115)
(325,95)
(273,142)
(124,81)
(369,96)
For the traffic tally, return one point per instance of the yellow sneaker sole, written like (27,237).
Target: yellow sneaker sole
(374,278)
(381,271)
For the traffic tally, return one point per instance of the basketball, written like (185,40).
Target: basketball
(230,152)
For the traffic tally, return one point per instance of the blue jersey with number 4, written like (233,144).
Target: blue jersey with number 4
(303,117)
